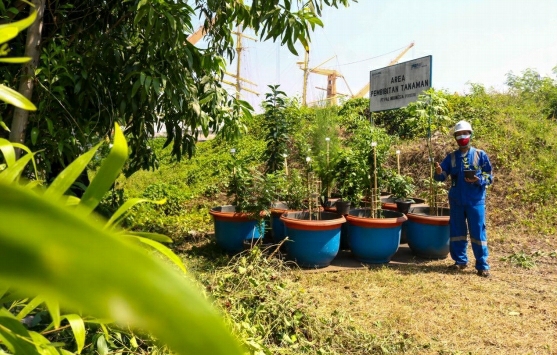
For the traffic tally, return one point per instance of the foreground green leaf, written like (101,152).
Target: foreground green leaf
(78,329)
(14,336)
(67,177)
(63,255)
(108,172)
(13,97)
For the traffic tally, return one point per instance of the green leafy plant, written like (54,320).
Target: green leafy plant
(402,187)
(430,114)
(297,191)
(249,190)
(520,259)
(278,129)
(351,176)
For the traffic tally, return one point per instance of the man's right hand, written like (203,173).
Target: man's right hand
(438,169)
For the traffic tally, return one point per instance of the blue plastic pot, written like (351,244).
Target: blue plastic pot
(232,229)
(344,243)
(278,230)
(428,235)
(312,243)
(374,240)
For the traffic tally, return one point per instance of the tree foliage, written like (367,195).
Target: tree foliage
(540,90)
(130,62)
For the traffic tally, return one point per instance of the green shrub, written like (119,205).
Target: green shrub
(174,196)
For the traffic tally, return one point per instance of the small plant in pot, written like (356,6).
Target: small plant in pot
(351,175)
(243,219)
(402,187)
(290,194)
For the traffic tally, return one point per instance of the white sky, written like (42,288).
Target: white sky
(477,41)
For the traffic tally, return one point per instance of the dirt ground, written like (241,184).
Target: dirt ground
(445,312)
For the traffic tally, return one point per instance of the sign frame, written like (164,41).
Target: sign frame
(396,86)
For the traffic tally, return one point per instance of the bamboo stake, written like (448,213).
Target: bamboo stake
(374,191)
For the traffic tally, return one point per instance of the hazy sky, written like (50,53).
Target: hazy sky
(477,41)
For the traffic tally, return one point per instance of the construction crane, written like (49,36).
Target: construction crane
(331,74)
(197,35)
(365,90)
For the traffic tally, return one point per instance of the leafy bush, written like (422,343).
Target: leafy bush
(174,197)
(277,126)
(400,186)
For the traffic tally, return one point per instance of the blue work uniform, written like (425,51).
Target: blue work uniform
(467,204)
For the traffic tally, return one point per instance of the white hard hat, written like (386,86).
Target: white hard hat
(462,126)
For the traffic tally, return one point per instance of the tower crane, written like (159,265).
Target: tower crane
(201,31)
(365,90)
(331,74)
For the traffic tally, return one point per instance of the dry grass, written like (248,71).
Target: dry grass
(445,312)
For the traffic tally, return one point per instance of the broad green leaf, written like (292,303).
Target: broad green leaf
(50,126)
(29,307)
(3,125)
(13,97)
(22,24)
(59,256)
(148,81)
(196,108)
(72,201)
(15,60)
(14,336)
(24,147)
(163,250)
(43,344)
(290,46)
(78,329)
(133,343)
(8,33)
(54,311)
(34,135)
(67,177)
(32,184)
(161,238)
(135,88)
(108,172)
(170,20)
(102,346)
(157,86)
(122,210)
(3,290)
(12,173)
(7,149)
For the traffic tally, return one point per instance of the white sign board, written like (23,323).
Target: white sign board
(397,85)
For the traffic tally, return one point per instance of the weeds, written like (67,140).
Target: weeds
(272,313)
(520,259)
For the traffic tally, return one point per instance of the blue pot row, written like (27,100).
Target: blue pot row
(315,242)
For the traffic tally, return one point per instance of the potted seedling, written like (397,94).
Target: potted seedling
(243,218)
(351,175)
(314,235)
(374,233)
(427,229)
(290,194)
(402,188)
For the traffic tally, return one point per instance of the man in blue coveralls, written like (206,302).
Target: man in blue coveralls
(467,199)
